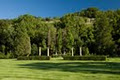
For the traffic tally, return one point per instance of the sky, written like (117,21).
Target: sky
(51,8)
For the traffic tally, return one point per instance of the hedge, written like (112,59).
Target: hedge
(34,58)
(85,58)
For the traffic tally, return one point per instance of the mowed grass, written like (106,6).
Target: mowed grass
(58,69)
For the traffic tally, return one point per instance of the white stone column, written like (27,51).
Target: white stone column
(72,52)
(56,53)
(80,51)
(39,51)
(48,51)
(64,53)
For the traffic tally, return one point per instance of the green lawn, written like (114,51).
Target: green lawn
(58,69)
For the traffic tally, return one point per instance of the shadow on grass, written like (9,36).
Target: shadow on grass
(82,67)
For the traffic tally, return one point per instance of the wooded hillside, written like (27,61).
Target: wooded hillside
(96,31)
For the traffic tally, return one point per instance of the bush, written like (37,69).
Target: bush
(67,54)
(10,55)
(85,51)
(3,56)
(34,58)
(55,56)
(85,58)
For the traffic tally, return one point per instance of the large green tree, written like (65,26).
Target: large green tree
(104,41)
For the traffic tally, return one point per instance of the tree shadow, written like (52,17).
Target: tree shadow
(80,67)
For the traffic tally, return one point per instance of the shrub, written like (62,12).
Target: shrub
(33,58)
(85,51)
(68,54)
(55,56)
(3,56)
(10,55)
(85,58)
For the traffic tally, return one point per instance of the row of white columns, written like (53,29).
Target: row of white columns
(80,51)
(40,51)
(64,52)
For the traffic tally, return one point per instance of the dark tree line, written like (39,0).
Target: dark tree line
(97,32)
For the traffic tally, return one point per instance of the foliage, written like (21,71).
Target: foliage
(56,55)
(22,45)
(96,58)
(104,41)
(8,56)
(34,50)
(34,58)
(89,12)
(2,56)
(85,51)
(98,32)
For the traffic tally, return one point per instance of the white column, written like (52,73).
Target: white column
(80,51)
(48,51)
(56,53)
(39,51)
(64,53)
(72,52)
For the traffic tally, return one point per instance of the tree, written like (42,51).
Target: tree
(115,20)
(68,40)
(6,35)
(22,45)
(59,41)
(103,37)
(89,12)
